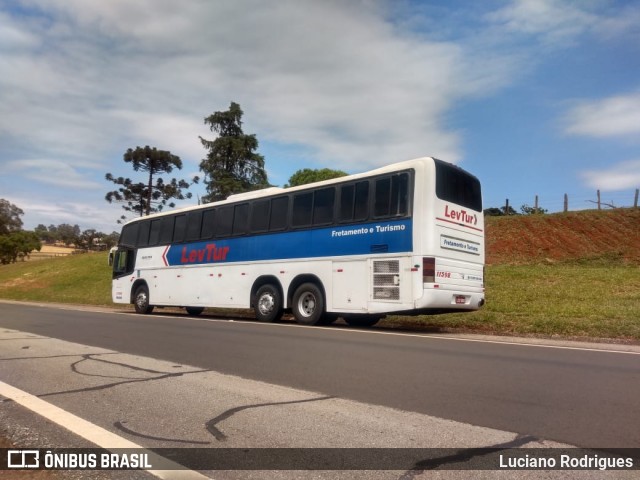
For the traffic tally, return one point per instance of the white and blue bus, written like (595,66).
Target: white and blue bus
(405,239)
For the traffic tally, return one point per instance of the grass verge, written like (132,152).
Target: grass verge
(593,299)
(569,300)
(83,279)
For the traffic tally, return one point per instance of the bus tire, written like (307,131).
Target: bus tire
(361,320)
(268,304)
(194,311)
(141,300)
(308,304)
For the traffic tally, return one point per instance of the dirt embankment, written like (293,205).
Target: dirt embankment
(584,235)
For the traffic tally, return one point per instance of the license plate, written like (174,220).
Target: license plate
(461,299)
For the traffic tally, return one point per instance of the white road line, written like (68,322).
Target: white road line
(351,331)
(93,433)
(430,336)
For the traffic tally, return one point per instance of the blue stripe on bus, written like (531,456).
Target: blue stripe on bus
(380,237)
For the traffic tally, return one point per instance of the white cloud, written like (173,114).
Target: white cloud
(344,83)
(175,132)
(333,77)
(552,21)
(614,116)
(100,216)
(51,172)
(13,38)
(622,176)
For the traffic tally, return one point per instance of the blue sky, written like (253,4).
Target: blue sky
(535,97)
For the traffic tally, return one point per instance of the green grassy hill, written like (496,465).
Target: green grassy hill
(83,279)
(572,275)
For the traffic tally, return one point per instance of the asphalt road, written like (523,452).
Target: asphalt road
(582,397)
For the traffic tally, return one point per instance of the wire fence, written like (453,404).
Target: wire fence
(567,202)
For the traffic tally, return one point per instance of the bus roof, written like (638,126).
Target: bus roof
(271,191)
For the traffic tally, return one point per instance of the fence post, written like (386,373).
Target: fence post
(535,208)
(506,207)
(599,206)
(566,203)
(635,199)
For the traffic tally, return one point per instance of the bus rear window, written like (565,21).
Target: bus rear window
(457,186)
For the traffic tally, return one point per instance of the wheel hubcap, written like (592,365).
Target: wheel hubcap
(141,300)
(307,304)
(266,304)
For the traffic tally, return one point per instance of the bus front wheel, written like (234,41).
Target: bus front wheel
(308,304)
(268,304)
(141,300)
(194,311)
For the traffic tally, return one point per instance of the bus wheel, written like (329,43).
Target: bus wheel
(141,300)
(362,321)
(268,304)
(308,304)
(194,311)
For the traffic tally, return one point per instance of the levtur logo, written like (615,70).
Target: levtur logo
(23,459)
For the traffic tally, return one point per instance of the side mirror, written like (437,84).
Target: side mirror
(112,253)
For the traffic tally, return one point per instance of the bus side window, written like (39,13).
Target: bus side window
(166,230)
(323,202)
(194,223)
(179,228)
(241,219)
(279,211)
(392,196)
(143,234)
(399,195)
(361,204)
(224,221)
(130,234)
(302,204)
(354,202)
(345,212)
(382,197)
(208,224)
(260,216)
(154,234)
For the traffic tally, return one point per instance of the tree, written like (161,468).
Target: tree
(146,197)
(68,234)
(493,212)
(10,220)
(43,233)
(87,238)
(307,175)
(111,240)
(16,245)
(232,164)
(527,210)
(498,212)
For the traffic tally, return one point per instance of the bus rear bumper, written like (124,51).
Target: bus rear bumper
(451,299)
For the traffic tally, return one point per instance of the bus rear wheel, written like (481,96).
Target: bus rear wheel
(268,304)
(194,311)
(141,300)
(308,304)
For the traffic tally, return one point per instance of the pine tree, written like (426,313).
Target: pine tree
(232,164)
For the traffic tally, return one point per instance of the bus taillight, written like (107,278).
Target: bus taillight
(428,270)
